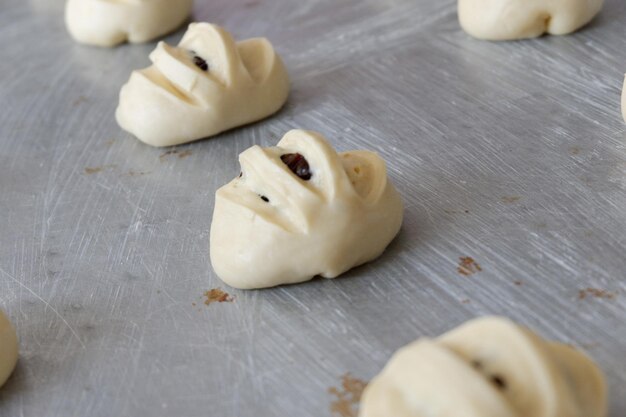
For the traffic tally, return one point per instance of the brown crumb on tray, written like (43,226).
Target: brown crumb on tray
(216,295)
(347,397)
(596,293)
(468,266)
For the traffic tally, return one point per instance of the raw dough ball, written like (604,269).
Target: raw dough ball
(8,348)
(206,85)
(299,210)
(489,367)
(498,20)
(111,22)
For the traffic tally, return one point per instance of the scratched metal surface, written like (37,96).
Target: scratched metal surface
(513,154)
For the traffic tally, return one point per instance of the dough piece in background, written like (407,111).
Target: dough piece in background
(499,20)
(111,22)
(488,367)
(8,348)
(300,210)
(206,85)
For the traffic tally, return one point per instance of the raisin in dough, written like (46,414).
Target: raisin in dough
(8,348)
(299,210)
(488,367)
(111,22)
(206,85)
(498,20)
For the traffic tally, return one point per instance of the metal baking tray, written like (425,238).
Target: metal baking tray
(512,154)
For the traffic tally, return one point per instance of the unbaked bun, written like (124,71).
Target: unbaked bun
(299,210)
(518,19)
(489,367)
(207,84)
(111,22)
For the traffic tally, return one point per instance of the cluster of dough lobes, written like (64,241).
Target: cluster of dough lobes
(8,348)
(488,367)
(299,210)
(206,85)
(520,19)
(111,22)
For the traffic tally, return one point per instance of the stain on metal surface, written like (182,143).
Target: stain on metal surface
(511,199)
(468,266)
(456,211)
(216,295)
(596,293)
(180,154)
(574,150)
(95,170)
(347,397)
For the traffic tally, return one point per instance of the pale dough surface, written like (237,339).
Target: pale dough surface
(8,348)
(111,22)
(520,19)
(488,367)
(175,101)
(344,216)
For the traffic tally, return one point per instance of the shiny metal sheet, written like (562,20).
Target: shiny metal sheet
(512,154)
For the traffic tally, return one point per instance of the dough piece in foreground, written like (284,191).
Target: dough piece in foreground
(299,210)
(488,367)
(111,22)
(499,20)
(8,348)
(206,85)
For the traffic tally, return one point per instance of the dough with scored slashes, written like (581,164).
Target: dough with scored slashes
(207,84)
(489,367)
(301,209)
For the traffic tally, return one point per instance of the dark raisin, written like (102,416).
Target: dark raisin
(267,200)
(200,63)
(499,382)
(298,165)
